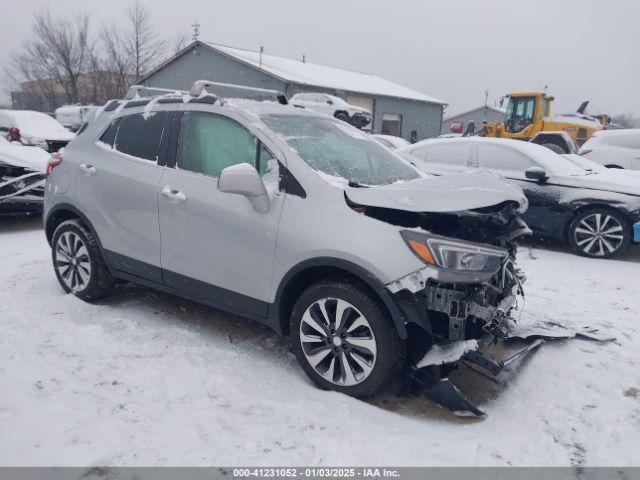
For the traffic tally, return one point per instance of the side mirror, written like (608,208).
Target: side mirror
(329,101)
(244,179)
(536,173)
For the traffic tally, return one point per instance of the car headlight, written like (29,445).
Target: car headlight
(458,256)
(38,142)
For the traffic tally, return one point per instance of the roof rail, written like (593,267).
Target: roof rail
(143,91)
(201,88)
(215,88)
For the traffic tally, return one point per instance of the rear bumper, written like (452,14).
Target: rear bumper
(636,232)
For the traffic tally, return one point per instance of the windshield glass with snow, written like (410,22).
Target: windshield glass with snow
(335,148)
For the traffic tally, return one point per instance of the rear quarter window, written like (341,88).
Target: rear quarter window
(140,135)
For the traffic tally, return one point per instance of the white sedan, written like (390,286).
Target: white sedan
(614,148)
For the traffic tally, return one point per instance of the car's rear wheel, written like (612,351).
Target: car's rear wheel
(77,261)
(344,340)
(599,233)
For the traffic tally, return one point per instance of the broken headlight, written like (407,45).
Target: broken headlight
(455,255)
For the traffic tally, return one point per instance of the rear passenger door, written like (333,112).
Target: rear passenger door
(117,188)
(216,247)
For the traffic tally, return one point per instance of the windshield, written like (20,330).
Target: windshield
(519,113)
(335,148)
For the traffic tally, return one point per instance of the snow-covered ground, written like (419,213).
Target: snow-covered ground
(144,378)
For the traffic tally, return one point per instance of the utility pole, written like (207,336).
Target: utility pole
(261,51)
(304,58)
(486,97)
(196,31)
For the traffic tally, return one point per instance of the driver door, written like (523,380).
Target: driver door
(215,247)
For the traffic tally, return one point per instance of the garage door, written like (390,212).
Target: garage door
(362,102)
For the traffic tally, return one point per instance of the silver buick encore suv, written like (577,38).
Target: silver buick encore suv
(288,217)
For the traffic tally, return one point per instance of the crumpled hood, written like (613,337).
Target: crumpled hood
(452,193)
(32,158)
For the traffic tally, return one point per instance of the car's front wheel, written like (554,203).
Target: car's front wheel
(342,116)
(599,233)
(344,340)
(78,263)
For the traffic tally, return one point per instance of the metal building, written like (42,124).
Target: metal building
(397,110)
(486,112)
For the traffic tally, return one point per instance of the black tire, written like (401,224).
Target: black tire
(389,353)
(554,147)
(78,263)
(614,229)
(342,116)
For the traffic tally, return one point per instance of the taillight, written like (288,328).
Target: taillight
(54,161)
(584,152)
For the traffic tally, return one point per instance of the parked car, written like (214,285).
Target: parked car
(22,170)
(614,148)
(391,141)
(334,106)
(291,218)
(597,213)
(73,116)
(35,128)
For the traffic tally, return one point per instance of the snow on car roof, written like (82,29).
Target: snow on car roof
(542,155)
(312,74)
(618,131)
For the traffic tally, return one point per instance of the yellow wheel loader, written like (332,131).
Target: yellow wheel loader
(528,117)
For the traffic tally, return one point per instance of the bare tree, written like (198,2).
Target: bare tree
(626,120)
(51,62)
(179,42)
(63,45)
(141,39)
(117,62)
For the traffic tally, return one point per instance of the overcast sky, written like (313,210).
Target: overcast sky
(450,50)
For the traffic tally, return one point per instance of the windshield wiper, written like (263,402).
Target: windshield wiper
(357,185)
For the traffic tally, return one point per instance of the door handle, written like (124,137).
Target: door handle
(176,196)
(87,169)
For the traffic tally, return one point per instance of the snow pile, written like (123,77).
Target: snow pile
(143,378)
(450,353)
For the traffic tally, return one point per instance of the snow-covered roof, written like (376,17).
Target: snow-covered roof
(483,107)
(314,75)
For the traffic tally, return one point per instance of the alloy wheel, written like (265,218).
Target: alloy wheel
(599,234)
(72,261)
(338,341)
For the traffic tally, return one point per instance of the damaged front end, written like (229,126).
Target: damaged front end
(21,190)
(463,300)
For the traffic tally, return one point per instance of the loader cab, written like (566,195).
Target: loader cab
(525,109)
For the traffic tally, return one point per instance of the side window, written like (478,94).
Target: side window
(109,135)
(265,160)
(139,135)
(495,157)
(624,141)
(210,143)
(455,154)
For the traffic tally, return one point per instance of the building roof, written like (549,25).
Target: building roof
(314,75)
(483,107)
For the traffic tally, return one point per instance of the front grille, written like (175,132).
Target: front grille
(55,145)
